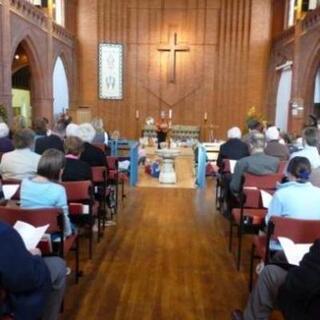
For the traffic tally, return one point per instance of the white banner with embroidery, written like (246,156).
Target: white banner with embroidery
(110,71)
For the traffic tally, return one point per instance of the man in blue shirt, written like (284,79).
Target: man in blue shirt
(31,287)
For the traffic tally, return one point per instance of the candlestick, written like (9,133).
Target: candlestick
(170,114)
(205,117)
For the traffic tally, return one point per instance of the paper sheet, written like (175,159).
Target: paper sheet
(30,235)
(232,165)
(9,190)
(294,252)
(266,198)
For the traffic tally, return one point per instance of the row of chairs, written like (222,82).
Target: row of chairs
(248,217)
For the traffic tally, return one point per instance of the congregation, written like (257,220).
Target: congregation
(39,160)
(292,289)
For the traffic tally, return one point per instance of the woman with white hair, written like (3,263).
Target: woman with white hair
(274,148)
(90,154)
(5,142)
(234,148)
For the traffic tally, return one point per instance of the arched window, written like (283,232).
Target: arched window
(291,17)
(283,98)
(59,15)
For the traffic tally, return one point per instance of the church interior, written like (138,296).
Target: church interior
(168,147)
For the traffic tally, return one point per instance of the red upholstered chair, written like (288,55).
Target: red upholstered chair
(115,177)
(298,230)
(41,217)
(99,180)
(282,166)
(249,216)
(80,196)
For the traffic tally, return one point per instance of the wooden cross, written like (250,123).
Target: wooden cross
(173,47)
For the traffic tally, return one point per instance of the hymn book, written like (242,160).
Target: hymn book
(294,251)
(30,235)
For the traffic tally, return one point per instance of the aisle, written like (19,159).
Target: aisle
(166,259)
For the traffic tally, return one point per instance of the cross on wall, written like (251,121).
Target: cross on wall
(173,47)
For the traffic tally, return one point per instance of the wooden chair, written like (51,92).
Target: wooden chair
(282,166)
(249,217)
(298,230)
(41,217)
(115,177)
(220,187)
(99,180)
(80,195)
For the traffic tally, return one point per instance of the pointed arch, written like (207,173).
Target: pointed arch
(60,87)
(39,88)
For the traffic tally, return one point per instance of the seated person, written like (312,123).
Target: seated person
(90,154)
(40,128)
(75,169)
(52,141)
(310,138)
(101,135)
(295,292)
(234,148)
(43,190)
(22,162)
(5,142)
(33,286)
(274,148)
(257,163)
(297,198)
(254,126)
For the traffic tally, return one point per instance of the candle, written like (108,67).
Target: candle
(205,117)
(170,113)
(137,114)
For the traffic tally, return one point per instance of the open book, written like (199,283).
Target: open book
(294,251)
(30,235)
(266,198)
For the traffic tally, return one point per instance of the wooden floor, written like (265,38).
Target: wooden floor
(167,258)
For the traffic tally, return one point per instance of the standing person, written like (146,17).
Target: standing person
(162,129)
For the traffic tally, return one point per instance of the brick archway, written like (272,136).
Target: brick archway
(39,82)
